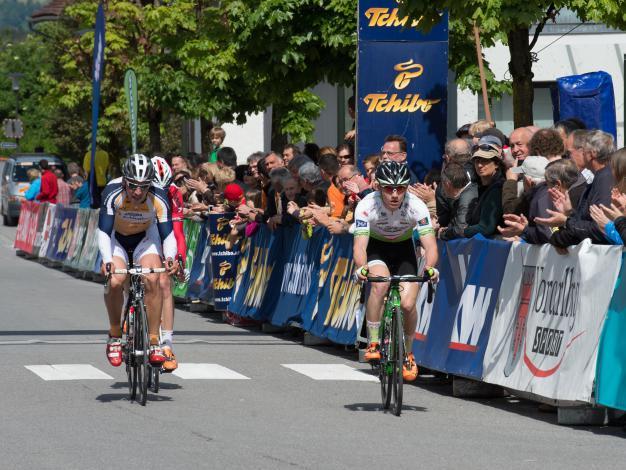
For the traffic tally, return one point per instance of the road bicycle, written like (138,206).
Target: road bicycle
(392,354)
(135,337)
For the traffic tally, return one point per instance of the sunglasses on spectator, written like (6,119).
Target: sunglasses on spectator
(396,189)
(180,182)
(485,147)
(132,186)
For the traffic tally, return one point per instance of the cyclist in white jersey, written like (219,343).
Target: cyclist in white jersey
(383,246)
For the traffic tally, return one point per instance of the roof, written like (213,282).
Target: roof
(49,12)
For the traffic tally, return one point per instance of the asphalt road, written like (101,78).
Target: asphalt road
(265,415)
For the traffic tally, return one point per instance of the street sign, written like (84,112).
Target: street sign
(13,128)
(8,145)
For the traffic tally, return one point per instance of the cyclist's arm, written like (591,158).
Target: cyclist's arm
(359,250)
(163,213)
(361,235)
(106,221)
(429,243)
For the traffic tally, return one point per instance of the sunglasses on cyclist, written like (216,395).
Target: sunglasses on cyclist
(132,186)
(392,189)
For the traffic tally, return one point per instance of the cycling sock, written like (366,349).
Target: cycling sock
(408,346)
(167,338)
(154,339)
(373,331)
(115,332)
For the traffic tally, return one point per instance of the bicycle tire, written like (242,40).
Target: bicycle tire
(398,360)
(128,354)
(153,381)
(142,347)
(383,367)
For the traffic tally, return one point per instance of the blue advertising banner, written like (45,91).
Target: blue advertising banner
(452,334)
(299,282)
(402,89)
(259,254)
(200,284)
(611,365)
(379,20)
(62,233)
(97,74)
(224,261)
(338,314)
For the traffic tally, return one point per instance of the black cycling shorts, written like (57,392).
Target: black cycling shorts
(399,257)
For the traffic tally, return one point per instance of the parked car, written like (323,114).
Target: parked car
(15,182)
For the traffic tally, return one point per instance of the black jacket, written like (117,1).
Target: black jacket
(487,213)
(580,225)
(538,207)
(453,213)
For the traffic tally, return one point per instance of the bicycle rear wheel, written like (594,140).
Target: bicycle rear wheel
(153,378)
(397,362)
(141,354)
(384,370)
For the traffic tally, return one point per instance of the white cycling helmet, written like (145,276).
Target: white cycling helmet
(162,172)
(138,168)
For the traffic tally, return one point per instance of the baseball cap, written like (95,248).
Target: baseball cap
(486,153)
(534,167)
(493,132)
(233,192)
(490,140)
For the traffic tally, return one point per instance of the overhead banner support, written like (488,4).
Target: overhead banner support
(402,80)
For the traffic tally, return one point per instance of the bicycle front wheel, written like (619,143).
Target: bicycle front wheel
(384,368)
(141,354)
(398,361)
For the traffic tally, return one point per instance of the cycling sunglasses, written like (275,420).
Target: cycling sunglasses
(397,189)
(143,186)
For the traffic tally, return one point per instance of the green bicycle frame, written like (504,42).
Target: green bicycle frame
(392,303)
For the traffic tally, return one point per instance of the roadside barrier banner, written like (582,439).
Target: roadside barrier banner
(453,331)
(337,314)
(90,251)
(259,255)
(62,233)
(41,220)
(611,371)
(200,284)
(191,230)
(80,229)
(544,339)
(27,226)
(223,260)
(46,230)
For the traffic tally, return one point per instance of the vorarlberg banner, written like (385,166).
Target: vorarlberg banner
(452,332)
(402,77)
(544,337)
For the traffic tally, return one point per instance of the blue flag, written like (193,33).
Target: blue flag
(98,73)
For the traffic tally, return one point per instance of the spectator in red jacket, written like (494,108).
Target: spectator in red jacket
(49,187)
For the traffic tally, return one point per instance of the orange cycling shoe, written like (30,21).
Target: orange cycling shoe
(114,351)
(372,353)
(409,369)
(170,363)
(156,357)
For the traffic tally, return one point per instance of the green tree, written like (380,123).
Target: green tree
(508,21)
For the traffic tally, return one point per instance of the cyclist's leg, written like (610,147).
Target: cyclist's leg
(114,297)
(408,299)
(167,322)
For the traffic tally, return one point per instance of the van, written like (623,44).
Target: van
(15,182)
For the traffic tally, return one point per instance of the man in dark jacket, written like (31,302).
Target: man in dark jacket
(49,186)
(596,152)
(460,195)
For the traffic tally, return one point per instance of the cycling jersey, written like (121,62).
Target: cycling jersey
(374,220)
(118,214)
(176,202)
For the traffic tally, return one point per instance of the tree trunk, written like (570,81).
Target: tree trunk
(279,140)
(154,122)
(522,74)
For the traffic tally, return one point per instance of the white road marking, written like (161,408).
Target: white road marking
(68,372)
(207,372)
(331,372)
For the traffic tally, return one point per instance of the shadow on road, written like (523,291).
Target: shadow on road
(378,407)
(113,397)
(165,386)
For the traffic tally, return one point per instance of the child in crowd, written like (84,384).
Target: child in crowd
(217,136)
(241,226)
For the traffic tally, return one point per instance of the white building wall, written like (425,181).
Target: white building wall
(249,137)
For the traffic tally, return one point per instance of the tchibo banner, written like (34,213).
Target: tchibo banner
(453,331)
(545,334)
(402,79)
(224,261)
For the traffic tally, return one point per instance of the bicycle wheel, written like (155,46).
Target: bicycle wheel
(384,369)
(397,361)
(153,381)
(141,354)
(128,352)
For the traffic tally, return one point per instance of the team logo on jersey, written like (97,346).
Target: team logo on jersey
(423,222)
(361,223)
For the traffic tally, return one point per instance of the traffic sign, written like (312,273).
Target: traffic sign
(8,145)
(13,128)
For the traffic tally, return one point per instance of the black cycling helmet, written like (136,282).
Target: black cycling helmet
(138,168)
(390,173)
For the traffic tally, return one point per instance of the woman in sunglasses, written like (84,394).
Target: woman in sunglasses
(136,220)
(383,245)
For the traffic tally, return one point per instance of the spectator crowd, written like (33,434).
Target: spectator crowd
(555,185)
